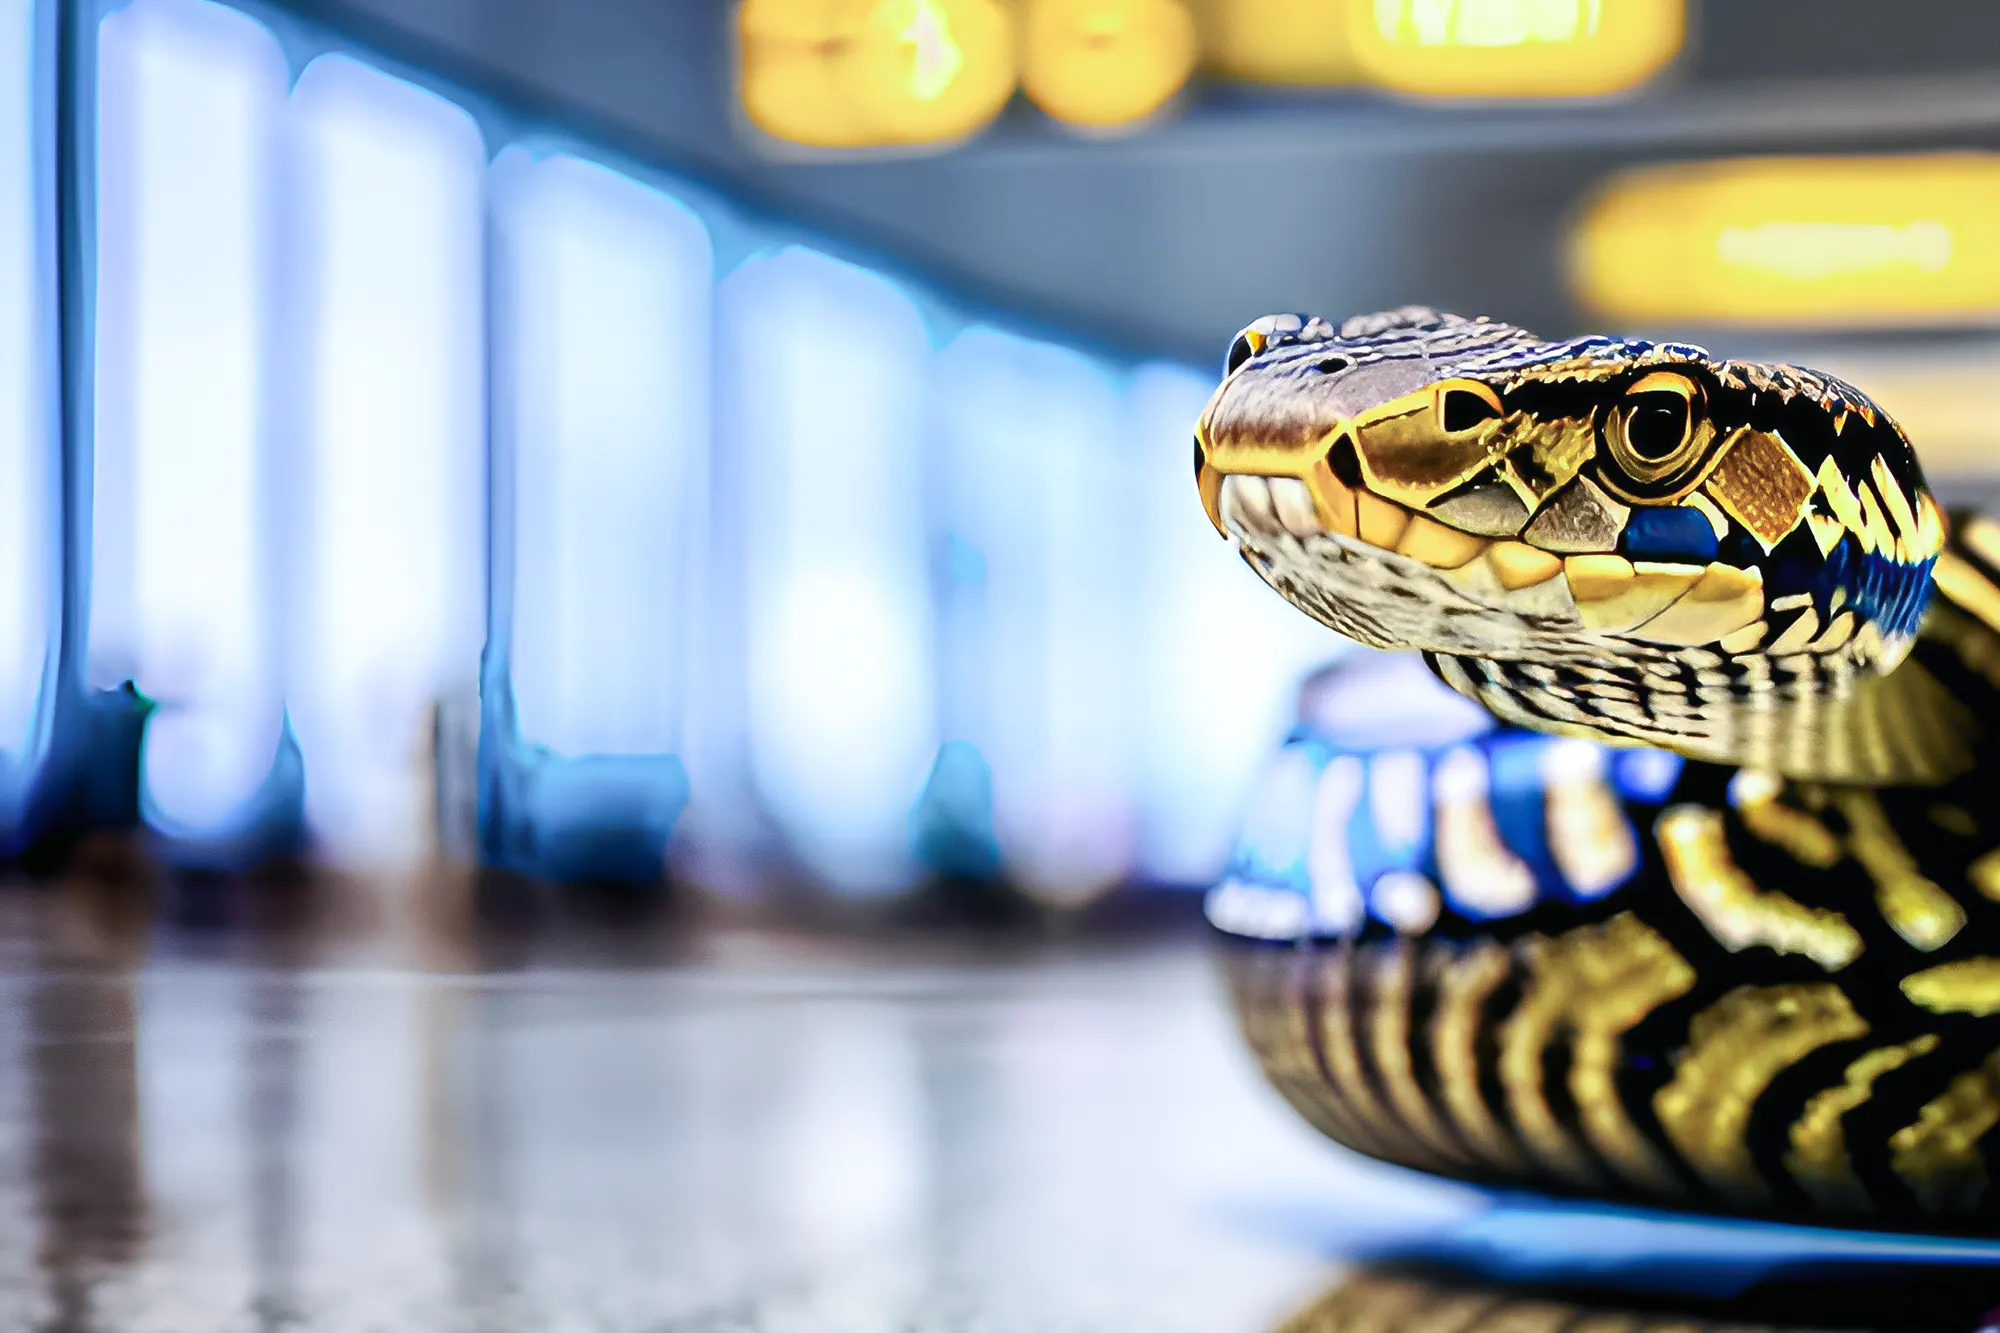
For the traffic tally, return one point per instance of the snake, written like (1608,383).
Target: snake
(1648,848)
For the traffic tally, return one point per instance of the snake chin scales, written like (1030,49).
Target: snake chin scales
(1700,905)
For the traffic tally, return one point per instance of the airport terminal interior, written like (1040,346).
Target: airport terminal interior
(619,712)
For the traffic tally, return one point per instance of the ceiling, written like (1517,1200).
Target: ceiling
(1166,240)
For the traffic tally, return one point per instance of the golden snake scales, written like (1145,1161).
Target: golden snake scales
(1769,986)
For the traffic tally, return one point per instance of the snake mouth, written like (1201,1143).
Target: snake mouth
(1280,502)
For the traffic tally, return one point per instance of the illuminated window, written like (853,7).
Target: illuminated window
(824,367)
(864,73)
(1796,241)
(190,95)
(387,534)
(1279,41)
(1207,718)
(1106,62)
(28,491)
(609,319)
(604,312)
(1514,48)
(1032,447)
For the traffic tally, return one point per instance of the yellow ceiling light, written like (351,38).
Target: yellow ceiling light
(1104,63)
(1279,41)
(1514,48)
(1801,242)
(868,73)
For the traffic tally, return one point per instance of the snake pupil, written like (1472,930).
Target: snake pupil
(1657,425)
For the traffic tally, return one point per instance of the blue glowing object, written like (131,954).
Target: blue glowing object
(951,830)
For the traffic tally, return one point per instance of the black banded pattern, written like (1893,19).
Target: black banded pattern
(1787,1005)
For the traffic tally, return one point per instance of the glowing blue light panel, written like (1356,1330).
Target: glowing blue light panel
(603,309)
(28,495)
(611,285)
(824,368)
(1037,463)
(190,95)
(1220,655)
(387,519)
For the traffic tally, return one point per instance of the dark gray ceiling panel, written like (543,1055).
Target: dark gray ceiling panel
(1167,240)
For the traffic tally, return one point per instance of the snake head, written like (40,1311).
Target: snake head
(1603,536)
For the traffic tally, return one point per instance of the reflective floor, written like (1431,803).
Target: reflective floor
(309,1124)
(227,1109)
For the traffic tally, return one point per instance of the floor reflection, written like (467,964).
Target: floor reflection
(1377,1303)
(344,1113)
(272,1059)
(77,1017)
(401,1115)
(1410,1302)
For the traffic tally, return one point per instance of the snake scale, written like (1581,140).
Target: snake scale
(1704,909)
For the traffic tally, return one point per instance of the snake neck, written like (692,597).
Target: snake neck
(1923,723)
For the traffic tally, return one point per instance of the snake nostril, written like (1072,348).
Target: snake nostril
(1344,462)
(1199,458)
(1332,365)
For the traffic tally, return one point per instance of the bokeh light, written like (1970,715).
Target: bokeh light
(607,311)
(822,368)
(1032,448)
(185,594)
(1515,48)
(1813,242)
(1104,63)
(28,456)
(1279,41)
(387,482)
(863,73)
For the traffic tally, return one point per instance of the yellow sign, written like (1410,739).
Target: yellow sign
(1514,48)
(1802,242)
(1278,41)
(869,73)
(1106,62)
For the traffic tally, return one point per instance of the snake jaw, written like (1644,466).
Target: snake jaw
(1519,588)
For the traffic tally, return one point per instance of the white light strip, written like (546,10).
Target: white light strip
(608,291)
(387,526)
(28,495)
(1223,655)
(824,368)
(1035,452)
(189,95)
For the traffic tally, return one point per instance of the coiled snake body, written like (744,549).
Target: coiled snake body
(1707,912)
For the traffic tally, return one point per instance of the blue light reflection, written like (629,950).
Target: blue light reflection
(823,364)
(387,554)
(191,96)
(28,463)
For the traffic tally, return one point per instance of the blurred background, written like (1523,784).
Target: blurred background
(743,446)
(462,459)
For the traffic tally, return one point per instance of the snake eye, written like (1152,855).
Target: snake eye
(1248,343)
(1654,429)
